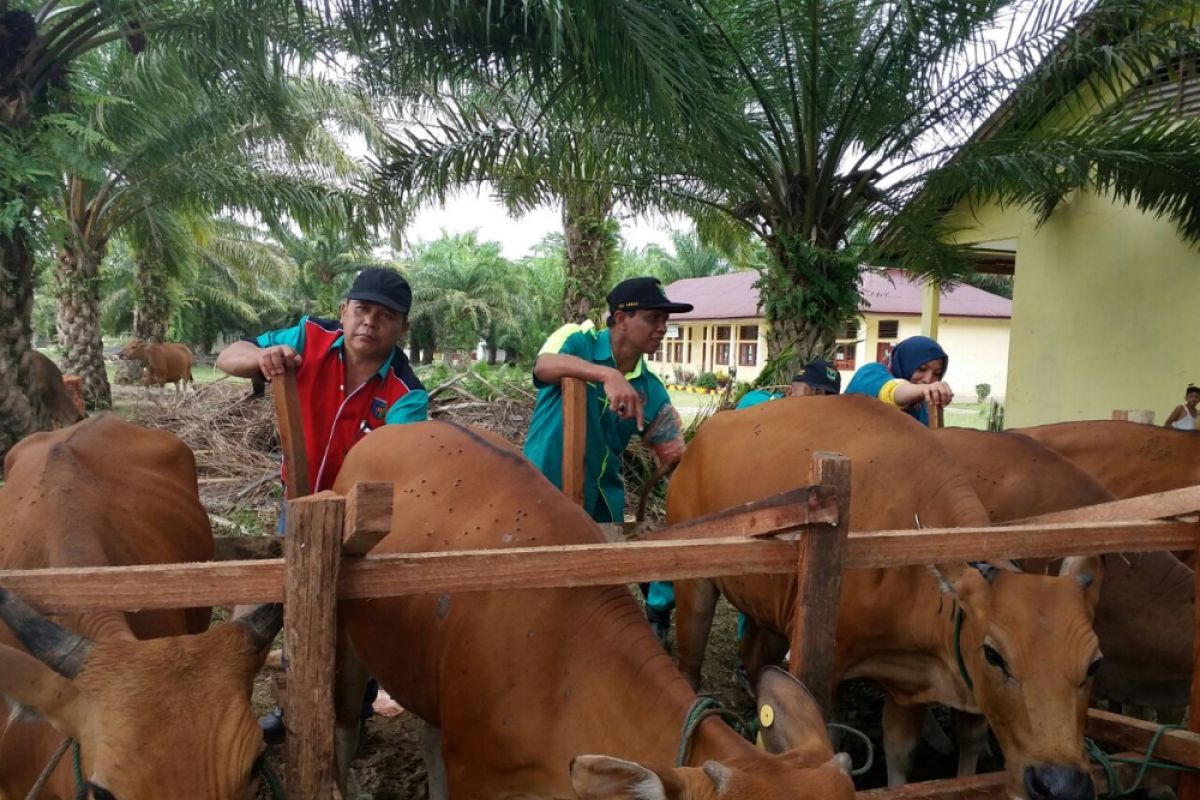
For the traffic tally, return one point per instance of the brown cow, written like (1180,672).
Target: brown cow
(162,363)
(1129,458)
(157,713)
(520,686)
(1025,650)
(1144,619)
(48,385)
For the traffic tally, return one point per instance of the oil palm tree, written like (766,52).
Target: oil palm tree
(42,41)
(172,145)
(465,291)
(822,123)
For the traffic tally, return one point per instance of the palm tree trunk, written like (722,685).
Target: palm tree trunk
(21,409)
(807,293)
(79,322)
(590,241)
(152,316)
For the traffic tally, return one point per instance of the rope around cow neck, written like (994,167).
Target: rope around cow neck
(40,783)
(702,709)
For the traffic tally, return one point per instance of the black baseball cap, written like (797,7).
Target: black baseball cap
(820,374)
(643,293)
(386,287)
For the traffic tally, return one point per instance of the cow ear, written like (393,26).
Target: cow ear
(605,778)
(790,719)
(1088,571)
(968,584)
(35,688)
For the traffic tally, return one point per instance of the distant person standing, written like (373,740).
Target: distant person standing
(1183,418)
(913,380)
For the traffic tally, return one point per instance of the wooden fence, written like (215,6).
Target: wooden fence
(802,531)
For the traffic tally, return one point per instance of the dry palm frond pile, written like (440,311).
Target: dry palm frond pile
(233,437)
(498,400)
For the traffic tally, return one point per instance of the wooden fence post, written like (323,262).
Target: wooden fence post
(291,434)
(819,585)
(312,551)
(1189,784)
(574,405)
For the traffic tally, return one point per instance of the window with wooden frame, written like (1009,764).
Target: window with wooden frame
(721,353)
(747,354)
(723,333)
(889,328)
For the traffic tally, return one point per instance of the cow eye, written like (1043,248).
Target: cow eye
(100,793)
(993,657)
(1092,667)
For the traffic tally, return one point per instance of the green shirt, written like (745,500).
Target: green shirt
(607,434)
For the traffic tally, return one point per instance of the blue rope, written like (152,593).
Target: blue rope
(81,787)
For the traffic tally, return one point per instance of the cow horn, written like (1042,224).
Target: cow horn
(61,650)
(262,623)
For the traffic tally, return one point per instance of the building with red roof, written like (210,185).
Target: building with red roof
(726,331)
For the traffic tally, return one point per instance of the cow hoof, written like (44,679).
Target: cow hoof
(273,729)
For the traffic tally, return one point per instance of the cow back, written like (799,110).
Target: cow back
(529,677)
(900,475)
(1129,458)
(104,492)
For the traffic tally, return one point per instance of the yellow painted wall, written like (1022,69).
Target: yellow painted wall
(1104,312)
(978,350)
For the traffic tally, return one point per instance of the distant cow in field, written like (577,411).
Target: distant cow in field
(48,385)
(162,363)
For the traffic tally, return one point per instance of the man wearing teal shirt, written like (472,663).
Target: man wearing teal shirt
(818,378)
(623,397)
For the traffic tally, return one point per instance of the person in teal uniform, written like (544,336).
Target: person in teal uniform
(623,398)
(913,380)
(818,378)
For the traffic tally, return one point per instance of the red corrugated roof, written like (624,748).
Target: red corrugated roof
(733,296)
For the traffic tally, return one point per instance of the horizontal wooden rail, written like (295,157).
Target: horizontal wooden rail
(1174,503)
(1126,733)
(991,786)
(187,585)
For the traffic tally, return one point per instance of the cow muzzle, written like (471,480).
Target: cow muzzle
(1058,782)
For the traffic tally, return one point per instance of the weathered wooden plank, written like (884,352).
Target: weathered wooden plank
(779,515)
(368,517)
(820,554)
(312,552)
(1151,506)
(574,409)
(944,545)
(1189,786)
(1127,733)
(186,585)
(991,786)
(291,434)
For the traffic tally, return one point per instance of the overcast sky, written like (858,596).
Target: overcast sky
(475,210)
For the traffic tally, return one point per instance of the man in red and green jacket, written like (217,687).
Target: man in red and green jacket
(351,374)
(352,377)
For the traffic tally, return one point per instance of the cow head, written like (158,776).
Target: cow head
(134,348)
(1029,653)
(150,716)
(799,763)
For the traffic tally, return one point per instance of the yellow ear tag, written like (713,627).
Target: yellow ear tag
(766,716)
(759,743)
